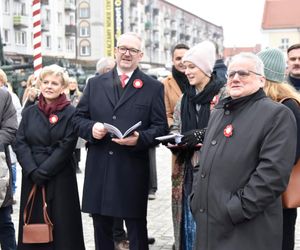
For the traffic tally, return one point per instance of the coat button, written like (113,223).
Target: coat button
(202,175)
(227,112)
(201,210)
(111,152)
(213,142)
(114,117)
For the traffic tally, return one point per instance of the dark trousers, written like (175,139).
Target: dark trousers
(136,230)
(153,172)
(119,233)
(289,221)
(7,230)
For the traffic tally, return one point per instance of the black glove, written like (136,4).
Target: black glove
(167,142)
(39,177)
(193,137)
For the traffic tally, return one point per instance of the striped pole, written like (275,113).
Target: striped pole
(37,37)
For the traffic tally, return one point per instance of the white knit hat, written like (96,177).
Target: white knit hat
(203,55)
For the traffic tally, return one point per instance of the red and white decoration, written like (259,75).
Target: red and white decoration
(37,37)
(228,131)
(53,119)
(138,83)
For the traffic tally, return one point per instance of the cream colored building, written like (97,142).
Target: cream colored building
(281,23)
(73,30)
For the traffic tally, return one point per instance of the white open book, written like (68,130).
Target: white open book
(114,130)
(176,137)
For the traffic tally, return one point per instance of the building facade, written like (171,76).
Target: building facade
(73,31)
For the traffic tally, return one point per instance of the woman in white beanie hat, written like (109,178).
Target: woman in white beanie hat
(191,116)
(279,91)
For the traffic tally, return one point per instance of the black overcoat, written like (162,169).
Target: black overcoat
(41,144)
(116,177)
(236,195)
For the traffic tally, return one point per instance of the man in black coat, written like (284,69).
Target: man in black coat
(8,128)
(117,170)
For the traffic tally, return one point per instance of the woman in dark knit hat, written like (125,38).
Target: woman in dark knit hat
(285,93)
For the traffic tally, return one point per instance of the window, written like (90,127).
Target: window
(59,43)
(85,48)
(284,43)
(59,18)
(6,6)
(48,42)
(6,36)
(48,16)
(84,29)
(20,38)
(70,44)
(84,10)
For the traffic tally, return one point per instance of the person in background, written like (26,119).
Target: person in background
(74,95)
(17,105)
(175,85)
(245,162)
(190,119)
(278,91)
(8,128)
(293,62)
(44,147)
(21,89)
(31,92)
(104,65)
(117,184)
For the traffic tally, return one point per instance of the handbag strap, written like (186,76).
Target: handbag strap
(30,202)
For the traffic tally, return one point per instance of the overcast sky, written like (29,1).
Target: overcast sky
(241,19)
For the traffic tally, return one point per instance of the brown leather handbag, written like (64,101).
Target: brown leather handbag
(291,196)
(36,233)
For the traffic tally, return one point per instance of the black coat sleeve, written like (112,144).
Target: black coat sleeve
(294,106)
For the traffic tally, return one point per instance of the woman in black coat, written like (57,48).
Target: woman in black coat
(45,142)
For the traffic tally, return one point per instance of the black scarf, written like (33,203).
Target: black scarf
(181,79)
(190,117)
(295,82)
(233,104)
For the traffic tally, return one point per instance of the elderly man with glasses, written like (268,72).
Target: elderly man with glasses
(117,169)
(245,163)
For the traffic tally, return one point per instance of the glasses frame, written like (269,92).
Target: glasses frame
(132,51)
(239,73)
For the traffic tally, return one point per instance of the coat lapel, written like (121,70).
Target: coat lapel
(109,81)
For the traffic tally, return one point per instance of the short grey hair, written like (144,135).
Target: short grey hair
(258,63)
(136,35)
(103,63)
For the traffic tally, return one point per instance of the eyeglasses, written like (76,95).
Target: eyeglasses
(241,73)
(132,51)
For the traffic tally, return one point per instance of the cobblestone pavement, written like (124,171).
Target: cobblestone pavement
(159,210)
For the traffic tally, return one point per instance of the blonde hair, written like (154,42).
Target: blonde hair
(278,91)
(77,91)
(3,76)
(30,81)
(57,71)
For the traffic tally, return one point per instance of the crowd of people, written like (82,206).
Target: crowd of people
(239,133)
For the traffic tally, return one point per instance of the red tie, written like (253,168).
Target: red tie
(123,78)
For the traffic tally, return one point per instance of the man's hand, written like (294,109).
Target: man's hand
(98,130)
(128,141)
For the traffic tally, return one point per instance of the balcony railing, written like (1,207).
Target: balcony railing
(20,21)
(69,6)
(70,30)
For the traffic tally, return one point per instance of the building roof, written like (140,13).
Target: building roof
(229,52)
(281,14)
